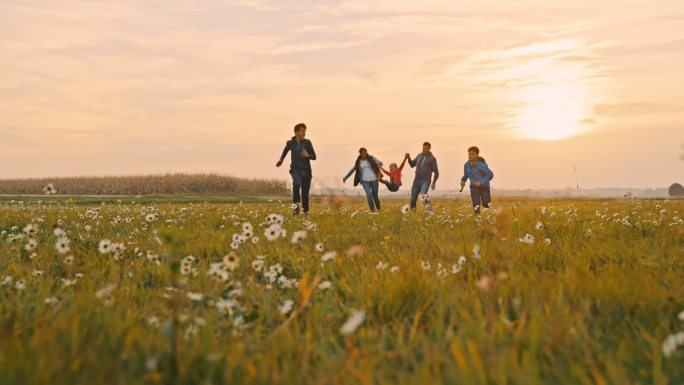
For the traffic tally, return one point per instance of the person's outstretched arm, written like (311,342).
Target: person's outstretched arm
(385,171)
(349,174)
(403,163)
(412,162)
(282,157)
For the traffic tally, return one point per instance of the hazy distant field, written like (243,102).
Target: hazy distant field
(534,292)
(197,184)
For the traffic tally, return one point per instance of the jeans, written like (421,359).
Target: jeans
(371,189)
(393,187)
(479,195)
(419,186)
(301,180)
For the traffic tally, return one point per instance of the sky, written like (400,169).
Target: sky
(554,93)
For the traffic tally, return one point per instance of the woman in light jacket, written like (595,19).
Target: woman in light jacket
(366,171)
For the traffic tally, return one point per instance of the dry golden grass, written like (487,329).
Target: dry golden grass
(146,185)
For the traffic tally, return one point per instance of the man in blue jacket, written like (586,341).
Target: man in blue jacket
(480,176)
(425,165)
(302,153)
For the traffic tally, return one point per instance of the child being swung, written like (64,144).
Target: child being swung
(395,176)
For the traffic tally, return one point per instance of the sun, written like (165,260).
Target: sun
(550,96)
(552,111)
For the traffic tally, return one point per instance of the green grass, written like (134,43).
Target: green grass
(587,308)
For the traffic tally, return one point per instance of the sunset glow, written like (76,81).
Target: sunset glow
(136,87)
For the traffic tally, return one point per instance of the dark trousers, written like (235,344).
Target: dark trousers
(393,187)
(371,189)
(419,186)
(480,196)
(301,181)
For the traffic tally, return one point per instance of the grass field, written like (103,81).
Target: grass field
(531,292)
(160,184)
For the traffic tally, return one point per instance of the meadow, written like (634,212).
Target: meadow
(175,183)
(532,291)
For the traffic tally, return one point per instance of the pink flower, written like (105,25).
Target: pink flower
(485,282)
(354,251)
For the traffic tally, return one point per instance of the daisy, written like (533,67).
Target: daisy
(62,245)
(59,233)
(31,229)
(105,292)
(462,260)
(320,247)
(528,239)
(425,265)
(255,240)
(353,323)
(226,306)
(272,232)
(20,284)
(455,269)
(195,296)
(394,269)
(381,265)
(247,228)
(105,246)
(50,301)
(298,236)
(231,262)
(325,285)
(31,244)
(258,265)
(476,252)
(330,255)
(68,282)
(286,307)
(405,209)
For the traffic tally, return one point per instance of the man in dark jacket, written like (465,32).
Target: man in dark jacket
(302,153)
(425,164)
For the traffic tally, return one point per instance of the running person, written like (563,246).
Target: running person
(425,164)
(395,175)
(302,153)
(366,171)
(477,170)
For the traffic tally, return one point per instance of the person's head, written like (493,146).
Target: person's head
(473,153)
(300,130)
(426,147)
(363,153)
(393,167)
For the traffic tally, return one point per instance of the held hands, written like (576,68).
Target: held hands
(407,156)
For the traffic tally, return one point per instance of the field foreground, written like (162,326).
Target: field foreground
(531,292)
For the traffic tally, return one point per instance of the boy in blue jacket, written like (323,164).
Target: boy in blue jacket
(480,176)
